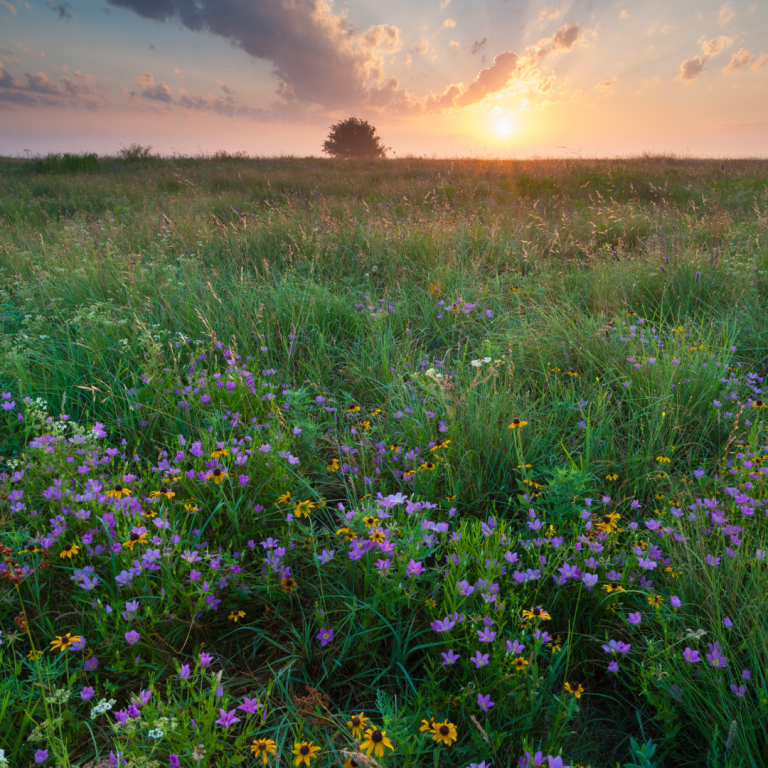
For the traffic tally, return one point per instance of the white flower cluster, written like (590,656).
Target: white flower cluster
(3,759)
(155,733)
(102,707)
(478,363)
(59,696)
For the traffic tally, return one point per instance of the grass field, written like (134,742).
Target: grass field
(397,463)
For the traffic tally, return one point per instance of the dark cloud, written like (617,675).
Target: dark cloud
(61,7)
(152,90)
(38,90)
(490,80)
(478,46)
(317,55)
(691,68)
(565,37)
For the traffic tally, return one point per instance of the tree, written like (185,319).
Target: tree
(353,138)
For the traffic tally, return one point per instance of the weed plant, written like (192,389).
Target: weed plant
(398,463)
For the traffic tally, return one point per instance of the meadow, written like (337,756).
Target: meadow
(408,463)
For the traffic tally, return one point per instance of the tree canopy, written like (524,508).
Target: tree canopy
(352,138)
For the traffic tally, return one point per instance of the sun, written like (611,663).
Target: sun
(504,127)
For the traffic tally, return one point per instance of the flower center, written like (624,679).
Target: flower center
(536,611)
(134,537)
(118,488)
(444,730)
(376,736)
(606,519)
(515,420)
(68,547)
(217,472)
(263,746)
(304,750)
(356,722)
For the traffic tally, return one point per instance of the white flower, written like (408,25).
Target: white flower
(102,707)
(476,363)
(155,733)
(486,359)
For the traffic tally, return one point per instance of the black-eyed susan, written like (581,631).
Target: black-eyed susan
(134,539)
(34,655)
(118,491)
(353,409)
(409,474)
(574,687)
(163,491)
(427,725)
(332,465)
(263,748)
(303,508)
(190,506)
(759,404)
(69,551)
(365,425)
(517,423)
(444,733)
(377,412)
(451,497)
(63,642)
(284,498)
(220,452)
(377,535)
(655,601)
(519,664)
(375,741)
(370,521)
(288,584)
(217,474)
(346,532)
(351,763)
(426,466)
(305,752)
(536,613)
(236,616)
(557,644)
(663,459)
(440,444)
(357,724)
(395,448)
(571,373)
(609,523)
(611,477)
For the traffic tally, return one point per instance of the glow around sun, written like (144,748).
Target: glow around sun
(504,127)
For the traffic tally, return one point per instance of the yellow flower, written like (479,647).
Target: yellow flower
(395,448)
(303,508)
(575,688)
(348,532)
(444,733)
(572,373)
(536,613)
(34,655)
(304,751)
(287,584)
(191,507)
(69,551)
(655,601)
(759,404)
(520,663)
(376,412)
(517,423)
(426,465)
(365,425)
(236,616)
(118,492)
(62,643)
(663,460)
(377,535)
(217,475)
(409,474)
(263,747)
(357,723)
(427,725)
(375,741)
(167,492)
(370,521)
(607,523)
(332,465)
(353,409)
(351,763)
(134,539)
(611,477)
(220,452)
(285,498)
(440,444)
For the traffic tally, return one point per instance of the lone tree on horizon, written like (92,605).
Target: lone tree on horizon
(353,138)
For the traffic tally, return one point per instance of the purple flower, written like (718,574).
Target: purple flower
(616,647)
(132,637)
(227,719)
(173,761)
(205,660)
(740,691)
(675,601)
(486,636)
(715,657)
(480,659)
(515,647)
(324,636)
(91,664)
(87,693)
(251,706)
(415,568)
(746,675)
(691,656)
(122,716)
(41,755)
(727,621)
(634,618)
(184,672)
(450,658)
(484,702)
(613,666)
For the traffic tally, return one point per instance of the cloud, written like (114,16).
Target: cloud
(716,45)
(9,7)
(691,68)
(39,90)
(453,46)
(624,14)
(417,49)
(61,7)
(549,14)
(444,4)
(565,37)
(725,15)
(317,56)
(151,90)
(449,23)
(491,79)
(607,85)
(665,29)
(744,58)
(652,81)
(224,87)
(478,46)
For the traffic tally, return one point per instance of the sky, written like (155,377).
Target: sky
(442,78)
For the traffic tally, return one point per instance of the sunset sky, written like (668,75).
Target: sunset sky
(506,78)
